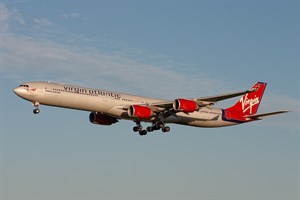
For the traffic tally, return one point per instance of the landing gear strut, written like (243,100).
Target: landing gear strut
(36,110)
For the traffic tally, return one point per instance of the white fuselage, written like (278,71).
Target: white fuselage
(111,103)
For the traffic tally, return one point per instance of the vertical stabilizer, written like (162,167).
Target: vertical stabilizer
(249,103)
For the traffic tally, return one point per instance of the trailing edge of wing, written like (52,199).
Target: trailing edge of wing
(259,116)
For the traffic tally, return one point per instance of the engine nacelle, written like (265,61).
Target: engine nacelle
(185,105)
(102,119)
(141,112)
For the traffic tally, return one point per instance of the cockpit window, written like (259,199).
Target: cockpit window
(24,86)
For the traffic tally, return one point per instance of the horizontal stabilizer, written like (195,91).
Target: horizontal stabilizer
(260,116)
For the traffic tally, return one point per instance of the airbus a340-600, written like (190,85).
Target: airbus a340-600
(107,108)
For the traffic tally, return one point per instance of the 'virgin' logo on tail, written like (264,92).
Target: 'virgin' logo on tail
(247,104)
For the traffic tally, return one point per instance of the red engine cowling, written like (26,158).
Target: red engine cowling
(141,112)
(102,119)
(185,105)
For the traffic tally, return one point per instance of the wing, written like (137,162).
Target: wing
(166,107)
(260,116)
(202,102)
(217,98)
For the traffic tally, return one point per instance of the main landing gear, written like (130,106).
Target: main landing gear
(139,128)
(36,110)
(155,126)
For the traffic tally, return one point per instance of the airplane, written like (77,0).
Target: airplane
(107,108)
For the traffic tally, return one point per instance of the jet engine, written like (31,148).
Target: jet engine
(185,105)
(141,112)
(102,119)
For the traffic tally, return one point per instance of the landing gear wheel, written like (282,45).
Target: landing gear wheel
(138,127)
(36,111)
(150,128)
(158,126)
(143,132)
(165,129)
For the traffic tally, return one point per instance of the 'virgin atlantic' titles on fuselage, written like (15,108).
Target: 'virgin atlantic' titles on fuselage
(91,91)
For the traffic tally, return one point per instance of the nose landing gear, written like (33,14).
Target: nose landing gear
(36,110)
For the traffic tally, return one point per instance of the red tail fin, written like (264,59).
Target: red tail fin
(249,103)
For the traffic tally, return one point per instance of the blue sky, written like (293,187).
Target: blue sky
(164,49)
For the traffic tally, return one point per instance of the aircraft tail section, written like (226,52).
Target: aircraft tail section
(246,106)
(249,103)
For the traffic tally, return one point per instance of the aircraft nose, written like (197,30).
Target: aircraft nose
(18,91)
